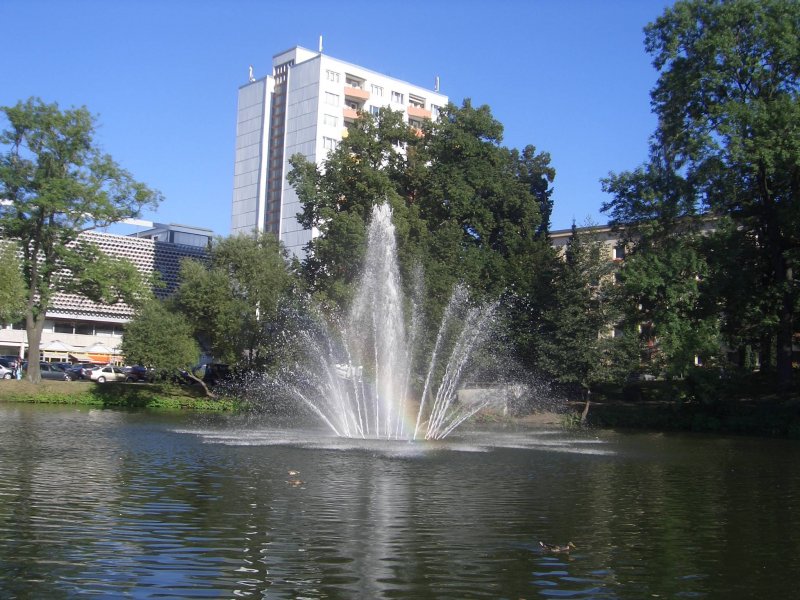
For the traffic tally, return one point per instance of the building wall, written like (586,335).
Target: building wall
(316,116)
(250,155)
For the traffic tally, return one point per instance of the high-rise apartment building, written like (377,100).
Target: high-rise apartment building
(304,107)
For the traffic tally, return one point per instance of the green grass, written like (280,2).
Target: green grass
(122,395)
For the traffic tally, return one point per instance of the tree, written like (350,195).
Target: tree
(162,340)
(660,287)
(58,184)
(235,303)
(12,285)
(576,347)
(729,111)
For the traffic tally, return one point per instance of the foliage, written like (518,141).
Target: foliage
(466,209)
(12,285)
(661,291)
(728,106)
(236,303)
(58,184)
(160,339)
(577,345)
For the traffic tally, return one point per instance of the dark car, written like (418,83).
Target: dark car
(81,370)
(139,373)
(48,371)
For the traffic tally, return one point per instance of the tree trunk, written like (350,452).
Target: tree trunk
(34,327)
(209,393)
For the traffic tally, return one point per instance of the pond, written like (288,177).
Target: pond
(162,505)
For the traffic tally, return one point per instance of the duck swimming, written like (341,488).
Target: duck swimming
(556,549)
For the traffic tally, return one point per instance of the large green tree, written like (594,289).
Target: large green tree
(56,184)
(237,303)
(661,285)
(577,346)
(466,209)
(728,104)
(161,339)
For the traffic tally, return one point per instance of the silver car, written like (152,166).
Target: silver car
(5,372)
(108,373)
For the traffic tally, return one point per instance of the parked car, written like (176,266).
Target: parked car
(5,372)
(81,370)
(109,373)
(10,362)
(48,371)
(139,373)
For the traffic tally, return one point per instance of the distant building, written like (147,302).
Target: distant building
(173,233)
(77,329)
(304,107)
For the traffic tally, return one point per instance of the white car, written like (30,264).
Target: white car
(108,373)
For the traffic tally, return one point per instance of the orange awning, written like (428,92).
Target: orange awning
(100,358)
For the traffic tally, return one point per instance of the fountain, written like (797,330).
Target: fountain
(359,377)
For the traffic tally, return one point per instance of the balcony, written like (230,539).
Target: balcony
(350,114)
(417,112)
(356,94)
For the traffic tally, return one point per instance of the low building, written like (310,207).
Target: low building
(77,329)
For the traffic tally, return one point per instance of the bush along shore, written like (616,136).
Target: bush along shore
(742,406)
(114,395)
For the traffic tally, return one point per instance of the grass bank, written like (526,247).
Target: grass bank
(120,395)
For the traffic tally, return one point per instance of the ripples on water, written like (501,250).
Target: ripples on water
(115,504)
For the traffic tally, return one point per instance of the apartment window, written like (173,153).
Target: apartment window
(355,83)
(328,143)
(377,90)
(331,99)
(435,111)
(415,123)
(397,98)
(330,120)
(618,252)
(351,104)
(374,110)
(416,101)
(332,76)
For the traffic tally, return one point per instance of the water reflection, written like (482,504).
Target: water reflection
(145,505)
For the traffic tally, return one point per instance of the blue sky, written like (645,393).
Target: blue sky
(570,77)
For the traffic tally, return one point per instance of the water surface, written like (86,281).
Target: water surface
(150,505)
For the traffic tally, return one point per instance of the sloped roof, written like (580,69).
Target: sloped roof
(162,258)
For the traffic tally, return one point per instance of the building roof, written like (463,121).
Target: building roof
(150,257)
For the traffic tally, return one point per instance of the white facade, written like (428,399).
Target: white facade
(304,107)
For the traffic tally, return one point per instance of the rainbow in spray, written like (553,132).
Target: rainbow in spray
(364,382)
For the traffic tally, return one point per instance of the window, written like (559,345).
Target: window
(374,110)
(351,104)
(417,101)
(377,90)
(84,329)
(330,120)
(328,143)
(332,76)
(355,83)
(62,327)
(618,252)
(435,111)
(102,329)
(415,123)
(331,99)
(397,97)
